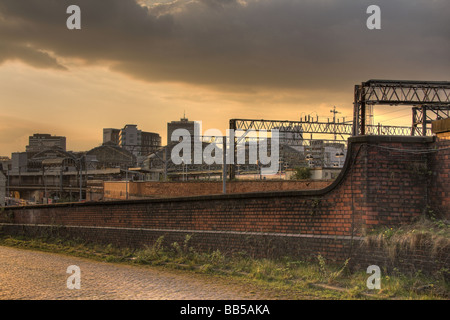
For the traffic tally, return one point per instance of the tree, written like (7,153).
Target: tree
(301,173)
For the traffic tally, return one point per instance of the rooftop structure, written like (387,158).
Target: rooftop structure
(39,142)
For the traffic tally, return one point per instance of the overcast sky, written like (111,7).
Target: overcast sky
(147,62)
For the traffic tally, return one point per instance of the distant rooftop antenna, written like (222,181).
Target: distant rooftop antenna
(334,112)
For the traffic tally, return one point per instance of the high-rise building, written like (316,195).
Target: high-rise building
(130,139)
(40,142)
(111,135)
(184,123)
(19,162)
(150,142)
(138,142)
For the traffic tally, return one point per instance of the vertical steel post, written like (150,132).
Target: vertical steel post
(224,169)
(233,149)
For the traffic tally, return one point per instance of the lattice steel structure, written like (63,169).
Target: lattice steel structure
(423,116)
(341,130)
(421,94)
(301,127)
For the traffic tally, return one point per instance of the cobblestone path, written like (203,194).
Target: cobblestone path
(34,275)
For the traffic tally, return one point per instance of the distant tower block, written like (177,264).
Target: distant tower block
(184,123)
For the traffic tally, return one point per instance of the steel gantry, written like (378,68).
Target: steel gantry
(430,100)
(422,117)
(423,95)
(300,133)
(340,130)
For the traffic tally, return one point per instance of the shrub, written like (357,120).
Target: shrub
(301,173)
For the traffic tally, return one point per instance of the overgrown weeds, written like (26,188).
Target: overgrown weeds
(315,278)
(329,275)
(427,234)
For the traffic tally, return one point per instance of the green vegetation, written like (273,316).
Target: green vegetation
(286,278)
(301,173)
(427,232)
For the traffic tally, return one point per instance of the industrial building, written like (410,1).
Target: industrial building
(139,143)
(40,142)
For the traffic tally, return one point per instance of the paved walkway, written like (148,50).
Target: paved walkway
(34,275)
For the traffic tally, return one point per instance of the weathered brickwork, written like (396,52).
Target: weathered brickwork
(385,182)
(439,189)
(117,190)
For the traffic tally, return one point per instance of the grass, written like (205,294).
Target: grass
(286,278)
(434,230)
(430,234)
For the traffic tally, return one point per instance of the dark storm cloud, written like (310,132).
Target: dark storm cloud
(236,44)
(32,56)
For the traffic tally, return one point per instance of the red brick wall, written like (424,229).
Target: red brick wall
(439,190)
(117,190)
(385,182)
(389,182)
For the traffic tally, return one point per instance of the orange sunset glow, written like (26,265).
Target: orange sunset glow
(149,62)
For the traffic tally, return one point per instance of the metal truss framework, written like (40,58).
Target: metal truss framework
(423,116)
(430,101)
(340,130)
(423,95)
